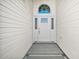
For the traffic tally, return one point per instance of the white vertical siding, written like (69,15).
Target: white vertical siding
(15,28)
(68,27)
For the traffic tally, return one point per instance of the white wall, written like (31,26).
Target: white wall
(15,28)
(68,27)
(52,5)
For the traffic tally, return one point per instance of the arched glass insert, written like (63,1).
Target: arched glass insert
(44,9)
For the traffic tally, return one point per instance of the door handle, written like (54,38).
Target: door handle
(39,31)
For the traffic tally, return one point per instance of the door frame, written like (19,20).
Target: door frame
(53,32)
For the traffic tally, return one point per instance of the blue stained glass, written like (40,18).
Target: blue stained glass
(44,11)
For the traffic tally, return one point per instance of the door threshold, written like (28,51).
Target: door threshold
(42,42)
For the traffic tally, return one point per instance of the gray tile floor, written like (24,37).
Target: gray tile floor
(46,57)
(44,51)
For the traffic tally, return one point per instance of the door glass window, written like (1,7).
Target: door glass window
(52,23)
(44,20)
(44,9)
(36,26)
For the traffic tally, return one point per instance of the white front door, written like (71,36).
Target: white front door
(43,29)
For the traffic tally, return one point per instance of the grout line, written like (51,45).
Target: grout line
(45,55)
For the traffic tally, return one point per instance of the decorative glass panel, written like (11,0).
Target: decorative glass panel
(36,26)
(44,9)
(52,23)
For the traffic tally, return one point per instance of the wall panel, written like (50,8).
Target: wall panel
(15,28)
(68,27)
